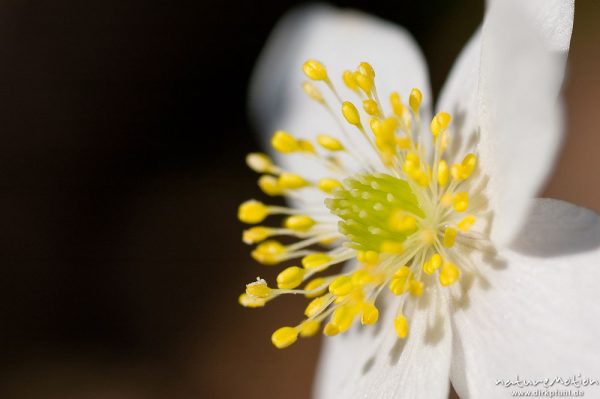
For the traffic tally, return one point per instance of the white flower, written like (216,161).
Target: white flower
(530,306)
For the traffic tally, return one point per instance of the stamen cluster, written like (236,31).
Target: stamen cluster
(398,219)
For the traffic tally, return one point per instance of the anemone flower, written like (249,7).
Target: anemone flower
(462,275)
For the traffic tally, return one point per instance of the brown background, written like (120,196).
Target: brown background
(123,133)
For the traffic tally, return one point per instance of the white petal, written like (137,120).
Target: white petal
(553,19)
(537,315)
(505,89)
(371,362)
(340,39)
(459,98)
(521,113)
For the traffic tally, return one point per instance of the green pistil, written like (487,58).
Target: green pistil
(367,206)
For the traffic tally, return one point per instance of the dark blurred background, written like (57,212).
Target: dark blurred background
(123,133)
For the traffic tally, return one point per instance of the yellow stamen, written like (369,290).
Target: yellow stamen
(351,114)
(290,278)
(414,100)
(449,237)
(341,286)
(315,70)
(449,274)
(284,142)
(329,143)
(315,260)
(252,212)
(259,162)
(284,337)
(401,326)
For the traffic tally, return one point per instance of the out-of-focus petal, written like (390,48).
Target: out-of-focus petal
(340,39)
(536,313)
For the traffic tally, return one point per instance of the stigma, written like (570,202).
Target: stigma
(401,213)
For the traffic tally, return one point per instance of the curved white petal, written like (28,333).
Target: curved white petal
(553,19)
(537,314)
(371,362)
(459,98)
(340,39)
(505,89)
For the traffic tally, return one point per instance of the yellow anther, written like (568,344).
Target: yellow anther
(364,82)
(290,278)
(351,113)
(268,252)
(306,146)
(444,119)
(366,69)
(392,247)
(420,177)
(436,261)
(466,223)
(258,289)
(329,143)
(309,328)
(316,306)
(414,100)
(399,282)
(443,173)
(371,107)
(360,278)
(415,287)
(401,222)
(386,129)
(291,181)
(342,317)
(327,185)
(435,127)
(457,171)
(401,326)
(259,162)
(313,92)
(464,170)
(402,272)
(460,202)
(315,70)
(449,237)
(317,285)
(413,159)
(368,257)
(349,81)
(341,286)
(315,260)
(284,142)
(468,165)
(432,264)
(370,314)
(449,274)
(299,223)
(270,185)
(397,106)
(328,240)
(439,123)
(249,301)
(252,212)
(403,142)
(256,234)
(284,337)
(330,330)
(398,286)
(446,200)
